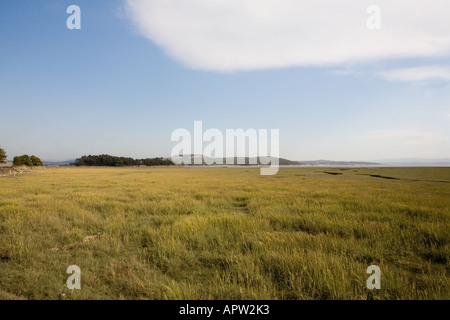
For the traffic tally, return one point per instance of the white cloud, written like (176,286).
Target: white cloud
(417,74)
(347,72)
(231,35)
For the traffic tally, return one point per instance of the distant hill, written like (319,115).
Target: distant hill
(234,161)
(57,163)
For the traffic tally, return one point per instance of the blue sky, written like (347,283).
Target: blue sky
(124,82)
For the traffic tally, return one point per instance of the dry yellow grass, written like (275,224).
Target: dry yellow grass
(226,233)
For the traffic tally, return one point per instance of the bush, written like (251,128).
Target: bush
(27,161)
(36,161)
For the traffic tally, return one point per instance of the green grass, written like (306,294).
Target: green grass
(226,233)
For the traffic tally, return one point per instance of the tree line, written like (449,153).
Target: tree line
(106,160)
(96,160)
(26,160)
(21,160)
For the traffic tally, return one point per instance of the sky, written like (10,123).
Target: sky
(335,85)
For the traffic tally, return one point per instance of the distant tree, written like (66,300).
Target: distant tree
(157,162)
(2,155)
(27,161)
(22,160)
(112,161)
(36,161)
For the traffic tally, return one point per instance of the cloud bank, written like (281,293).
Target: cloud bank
(233,35)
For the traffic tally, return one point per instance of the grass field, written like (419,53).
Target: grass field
(226,233)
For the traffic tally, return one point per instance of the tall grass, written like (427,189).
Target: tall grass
(226,233)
